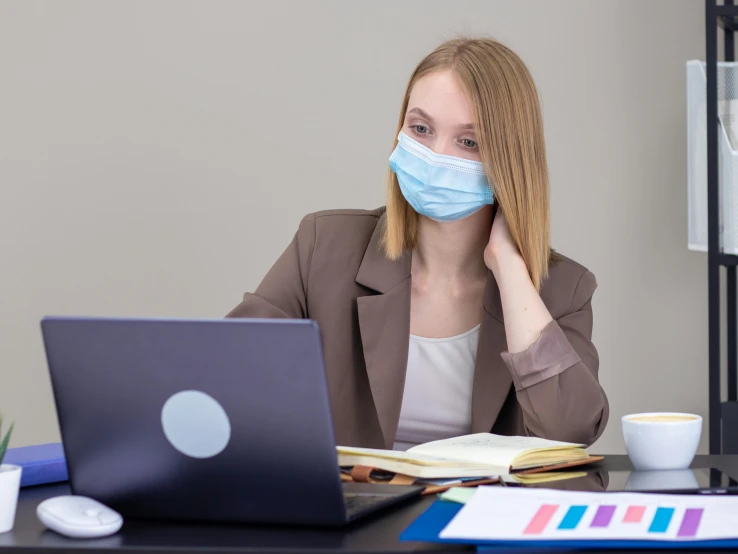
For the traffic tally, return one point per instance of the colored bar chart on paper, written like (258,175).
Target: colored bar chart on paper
(573,516)
(603,516)
(634,514)
(541,519)
(661,520)
(691,522)
(497,513)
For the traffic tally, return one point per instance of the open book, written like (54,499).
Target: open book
(481,454)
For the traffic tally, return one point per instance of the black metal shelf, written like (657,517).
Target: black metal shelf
(729,22)
(723,429)
(726,9)
(727,16)
(727,260)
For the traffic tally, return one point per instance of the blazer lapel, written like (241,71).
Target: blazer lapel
(384,321)
(492,380)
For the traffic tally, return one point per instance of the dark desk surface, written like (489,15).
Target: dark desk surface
(377,534)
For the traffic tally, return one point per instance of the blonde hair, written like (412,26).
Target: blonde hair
(509,126)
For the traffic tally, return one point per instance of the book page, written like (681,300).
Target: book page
(486,448)
(417,465)
(398,455)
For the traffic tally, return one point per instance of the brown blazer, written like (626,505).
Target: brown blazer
(335,273)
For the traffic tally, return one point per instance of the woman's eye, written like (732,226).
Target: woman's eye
(468,143)
(421,129)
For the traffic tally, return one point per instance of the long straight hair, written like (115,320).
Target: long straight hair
(509,126)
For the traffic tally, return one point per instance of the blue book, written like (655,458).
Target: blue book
(42,464)
(430,523)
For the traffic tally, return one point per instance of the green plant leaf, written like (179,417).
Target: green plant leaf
(4,443)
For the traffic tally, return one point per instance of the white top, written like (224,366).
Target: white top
(436,403)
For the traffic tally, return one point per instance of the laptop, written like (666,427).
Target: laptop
(211,420)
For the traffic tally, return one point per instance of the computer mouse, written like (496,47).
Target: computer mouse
(78,517)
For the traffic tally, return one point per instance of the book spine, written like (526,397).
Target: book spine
(44,473)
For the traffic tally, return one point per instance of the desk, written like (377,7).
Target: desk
(376,534)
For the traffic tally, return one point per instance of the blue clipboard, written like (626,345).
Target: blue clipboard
(431,522)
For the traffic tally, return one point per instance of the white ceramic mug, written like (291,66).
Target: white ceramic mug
(661,440)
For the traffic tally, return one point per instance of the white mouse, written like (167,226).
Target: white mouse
(79,517)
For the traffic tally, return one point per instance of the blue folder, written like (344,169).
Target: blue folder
(431,522)
(42,464)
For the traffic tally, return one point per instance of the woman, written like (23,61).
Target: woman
(447,313)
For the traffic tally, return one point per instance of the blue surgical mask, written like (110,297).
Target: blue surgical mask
(443,188)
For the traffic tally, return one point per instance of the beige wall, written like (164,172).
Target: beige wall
(156,156)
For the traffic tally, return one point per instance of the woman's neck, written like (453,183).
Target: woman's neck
(453,250)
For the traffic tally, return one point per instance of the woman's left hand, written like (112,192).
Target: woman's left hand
(501,245)
(524,312)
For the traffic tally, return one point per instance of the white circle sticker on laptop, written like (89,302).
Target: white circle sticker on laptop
(195,424)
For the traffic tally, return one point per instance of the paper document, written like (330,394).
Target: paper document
(728,114)
(460,495)
(503,514)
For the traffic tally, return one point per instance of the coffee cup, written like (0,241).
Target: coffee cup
(661,440)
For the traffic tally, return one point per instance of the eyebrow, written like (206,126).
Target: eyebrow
(422,113)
